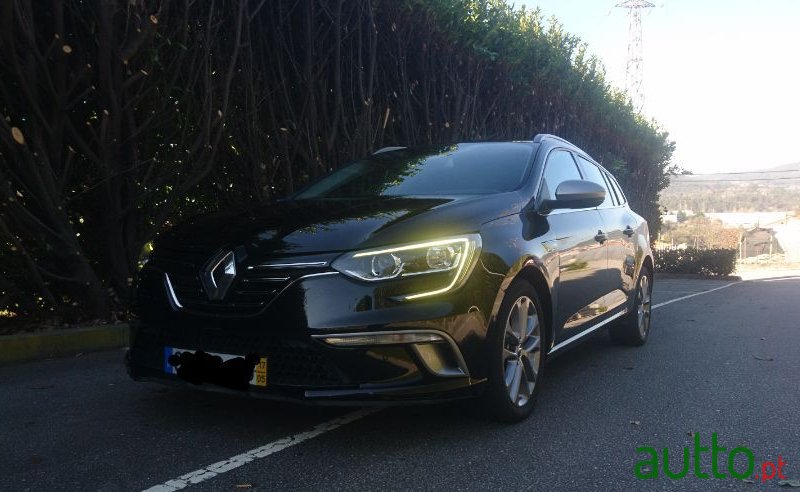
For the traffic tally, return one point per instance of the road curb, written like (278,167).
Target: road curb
(33,346)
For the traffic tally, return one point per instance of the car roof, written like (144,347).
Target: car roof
(537,139)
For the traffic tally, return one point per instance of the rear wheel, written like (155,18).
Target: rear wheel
(515,355)
(634,327)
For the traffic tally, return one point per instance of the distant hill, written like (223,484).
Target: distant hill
(785,167)
(773,189)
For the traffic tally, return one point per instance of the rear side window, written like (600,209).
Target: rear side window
(617,188)
(592,173)
(617,199)
(560,167)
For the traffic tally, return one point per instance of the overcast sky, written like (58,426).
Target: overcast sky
(722,76)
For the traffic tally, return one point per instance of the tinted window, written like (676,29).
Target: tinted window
(560,167)
(614,196)
(593,173)
(454,170)
(617,189)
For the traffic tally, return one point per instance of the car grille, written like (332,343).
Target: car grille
(253,289)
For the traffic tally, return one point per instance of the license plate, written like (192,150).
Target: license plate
(259,372)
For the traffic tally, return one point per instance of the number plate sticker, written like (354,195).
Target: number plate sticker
(260,373)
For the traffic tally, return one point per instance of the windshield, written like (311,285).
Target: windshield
(462,169)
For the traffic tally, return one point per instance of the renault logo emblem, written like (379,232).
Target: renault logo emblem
(219,274)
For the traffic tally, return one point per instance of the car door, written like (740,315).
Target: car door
(619,224)
(623,218)
(582,256)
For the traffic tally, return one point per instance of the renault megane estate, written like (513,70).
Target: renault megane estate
(412,275)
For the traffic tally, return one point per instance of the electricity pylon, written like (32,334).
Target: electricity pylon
(634,69)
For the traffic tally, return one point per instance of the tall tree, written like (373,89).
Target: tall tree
(112,112)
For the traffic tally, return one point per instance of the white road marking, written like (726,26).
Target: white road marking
(229,464)
(661,304)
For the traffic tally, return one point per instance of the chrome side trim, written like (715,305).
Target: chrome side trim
(308,264)
(462,364)
(368,339)
(387,149)
(294,281)
(173,299)
(586,332)
(321,274)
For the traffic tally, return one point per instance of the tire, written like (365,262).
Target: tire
(633,328)
(516,355)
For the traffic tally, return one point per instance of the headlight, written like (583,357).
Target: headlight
(144,255)
(444,263)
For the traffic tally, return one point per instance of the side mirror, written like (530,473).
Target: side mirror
(576,193)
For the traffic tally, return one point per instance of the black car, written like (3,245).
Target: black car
(412,275)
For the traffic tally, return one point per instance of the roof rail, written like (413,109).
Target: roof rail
(387,149)
(541,136)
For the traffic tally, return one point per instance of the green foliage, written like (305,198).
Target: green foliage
(709,262)
(551,84)
(238,102)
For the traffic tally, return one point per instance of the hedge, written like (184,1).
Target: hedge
(717,262)
(119,119)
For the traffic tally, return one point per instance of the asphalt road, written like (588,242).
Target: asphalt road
(727,362)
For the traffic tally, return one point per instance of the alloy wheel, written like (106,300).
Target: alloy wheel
(522,350)
(643,306)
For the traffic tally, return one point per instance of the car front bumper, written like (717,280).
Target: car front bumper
(322,346)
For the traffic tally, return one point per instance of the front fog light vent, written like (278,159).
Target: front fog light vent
(371,339)
(436,351)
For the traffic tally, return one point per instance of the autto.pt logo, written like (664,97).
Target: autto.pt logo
(738,463)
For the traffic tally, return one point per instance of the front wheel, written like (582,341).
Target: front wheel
(634,327)
(516,359)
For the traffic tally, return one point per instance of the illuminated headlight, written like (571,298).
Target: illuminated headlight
(144,255)
(446,260)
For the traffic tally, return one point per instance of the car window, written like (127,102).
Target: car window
(592,173)
(560,167)
(617,189)
(615,197)
(467,169)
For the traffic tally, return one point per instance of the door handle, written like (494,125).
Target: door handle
(600,237)
(628,231)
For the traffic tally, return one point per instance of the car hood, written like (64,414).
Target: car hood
(302,227)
